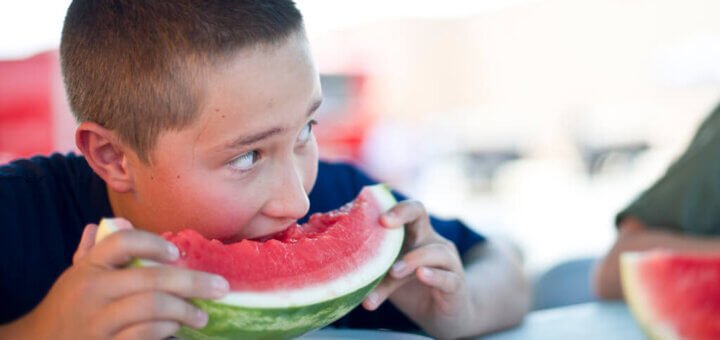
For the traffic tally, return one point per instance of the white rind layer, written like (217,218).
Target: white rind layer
(360,277)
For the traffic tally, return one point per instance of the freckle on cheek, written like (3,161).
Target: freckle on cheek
(178,176)
(217,110)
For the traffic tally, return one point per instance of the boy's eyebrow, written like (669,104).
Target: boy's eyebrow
(247,140)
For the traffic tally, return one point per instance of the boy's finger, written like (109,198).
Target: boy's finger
(178,281)
(438,254)
(151,306)
(121,247)
(405,212)
(388,286)
(413,216)
(149,330)
(87,241)
(446,281)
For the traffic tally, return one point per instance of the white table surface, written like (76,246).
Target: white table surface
(330,333)
(588,321)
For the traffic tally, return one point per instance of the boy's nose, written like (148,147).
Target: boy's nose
(288,199)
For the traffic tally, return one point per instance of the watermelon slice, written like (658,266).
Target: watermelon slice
(298,280)
(673,295)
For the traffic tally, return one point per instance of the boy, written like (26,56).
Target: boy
(199,114)
(679,212)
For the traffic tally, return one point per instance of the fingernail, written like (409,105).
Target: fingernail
(389,218)
(201,318)
(398,268)
(173,252)
(219,285)
(372,299)
(426,272)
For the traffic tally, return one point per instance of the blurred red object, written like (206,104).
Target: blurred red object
(29,100)
(35,119)
(344,117)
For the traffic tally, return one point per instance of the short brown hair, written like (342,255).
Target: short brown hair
(133,66)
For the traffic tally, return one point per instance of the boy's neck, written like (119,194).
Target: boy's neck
(117,204)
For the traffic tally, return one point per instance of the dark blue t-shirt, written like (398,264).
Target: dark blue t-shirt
(45,202)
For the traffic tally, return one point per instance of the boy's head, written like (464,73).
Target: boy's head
(136,67)
(195,113)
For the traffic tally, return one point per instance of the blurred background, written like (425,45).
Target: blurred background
(532,120)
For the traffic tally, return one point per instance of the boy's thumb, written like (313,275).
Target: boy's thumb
(87,241)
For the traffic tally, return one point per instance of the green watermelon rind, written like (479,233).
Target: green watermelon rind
(233,322)
(637,300)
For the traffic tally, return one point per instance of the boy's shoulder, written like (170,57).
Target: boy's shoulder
(44,204)
(39,168)
(337,183)
(343,174)
(55,189)
(336,167)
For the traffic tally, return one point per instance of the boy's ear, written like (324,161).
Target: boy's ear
(105,155)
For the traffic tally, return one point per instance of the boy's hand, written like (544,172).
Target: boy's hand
(99,298)
(427,283)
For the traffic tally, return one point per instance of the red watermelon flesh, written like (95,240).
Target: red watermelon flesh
(329,246)
(674,295)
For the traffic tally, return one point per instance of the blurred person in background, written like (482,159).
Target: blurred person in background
(680,212)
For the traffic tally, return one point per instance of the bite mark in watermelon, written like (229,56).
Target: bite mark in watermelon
(673,295)
(301,279)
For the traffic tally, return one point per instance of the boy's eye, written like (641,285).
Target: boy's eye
(246,161)
(306,132)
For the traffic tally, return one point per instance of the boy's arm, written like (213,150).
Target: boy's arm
(635,235)
(497,284)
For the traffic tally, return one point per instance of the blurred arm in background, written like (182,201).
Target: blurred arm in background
(635,235)
(680,212)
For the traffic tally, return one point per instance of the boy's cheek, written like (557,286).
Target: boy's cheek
(210,216)
(217,223)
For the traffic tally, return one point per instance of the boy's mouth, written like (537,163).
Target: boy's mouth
(277,234)
(269,237)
